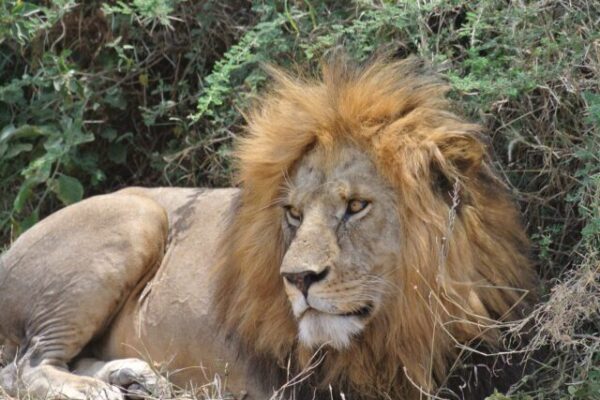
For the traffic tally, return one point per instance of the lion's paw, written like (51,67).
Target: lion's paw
(137,378)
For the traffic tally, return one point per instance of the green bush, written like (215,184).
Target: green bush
(97,95)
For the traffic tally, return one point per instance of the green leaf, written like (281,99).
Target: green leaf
(17,149)
(115,98)
(68,189)
(7,132)
(12,94)
(109,134)
(572,390)
(23,195)
(24,131)
(21,226)
(39,170)
(117,153)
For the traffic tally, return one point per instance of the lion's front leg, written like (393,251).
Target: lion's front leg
(62,283)
(49,381)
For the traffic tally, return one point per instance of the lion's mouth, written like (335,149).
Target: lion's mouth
(361,312)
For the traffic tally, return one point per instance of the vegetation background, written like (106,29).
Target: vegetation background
(96,95)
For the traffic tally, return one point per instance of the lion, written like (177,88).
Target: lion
(368,244)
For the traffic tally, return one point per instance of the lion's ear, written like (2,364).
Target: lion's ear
(463,152)
(457,157)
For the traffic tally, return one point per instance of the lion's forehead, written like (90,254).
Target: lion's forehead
(343,172)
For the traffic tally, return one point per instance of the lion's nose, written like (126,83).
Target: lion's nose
(303,280)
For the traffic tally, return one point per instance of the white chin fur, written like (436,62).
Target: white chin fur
(317,329)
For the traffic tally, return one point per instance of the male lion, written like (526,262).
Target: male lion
(369,228)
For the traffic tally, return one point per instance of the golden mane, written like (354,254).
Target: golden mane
(462,244)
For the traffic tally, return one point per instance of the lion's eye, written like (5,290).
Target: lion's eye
(355,206)
(293,215)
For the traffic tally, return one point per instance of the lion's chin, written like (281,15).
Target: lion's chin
(318,329)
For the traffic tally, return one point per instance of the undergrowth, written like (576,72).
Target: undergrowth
(97,95)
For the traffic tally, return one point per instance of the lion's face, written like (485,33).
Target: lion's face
(342,231)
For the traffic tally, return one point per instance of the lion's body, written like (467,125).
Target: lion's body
(164,313)
(369,228)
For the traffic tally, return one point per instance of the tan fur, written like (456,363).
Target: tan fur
(401,119)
